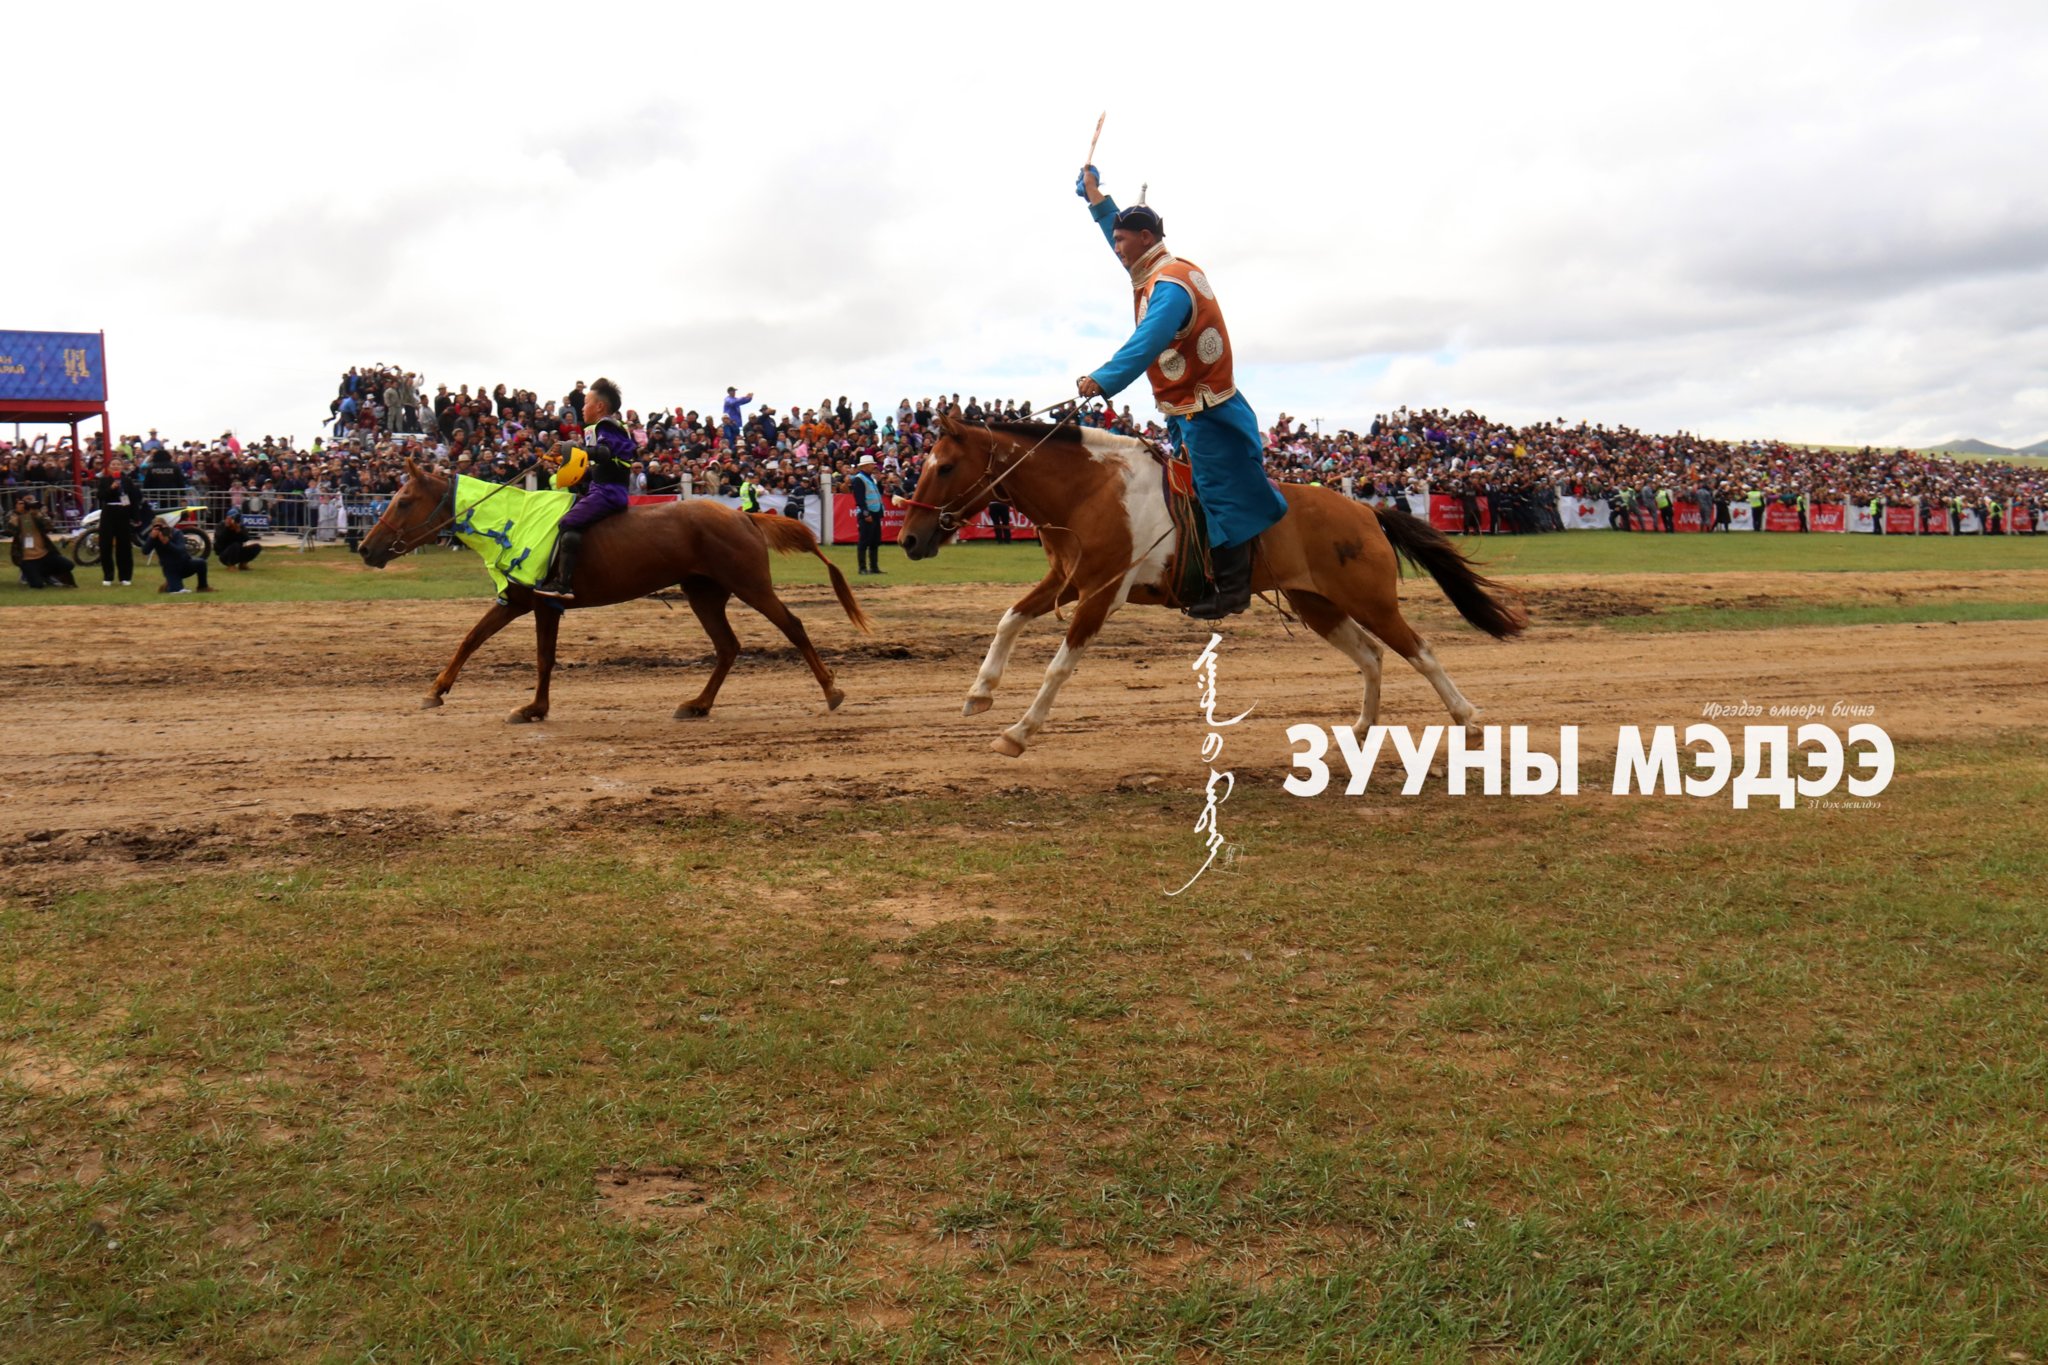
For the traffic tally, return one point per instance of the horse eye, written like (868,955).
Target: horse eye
(944,470)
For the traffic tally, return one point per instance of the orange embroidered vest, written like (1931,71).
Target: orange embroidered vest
(1195,372)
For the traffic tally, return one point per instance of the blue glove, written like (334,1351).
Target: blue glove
(1081,182)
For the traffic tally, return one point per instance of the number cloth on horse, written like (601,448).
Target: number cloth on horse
(1181,345)
(513,530)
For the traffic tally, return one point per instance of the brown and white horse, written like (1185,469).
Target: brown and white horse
(710,551)
(1100,508)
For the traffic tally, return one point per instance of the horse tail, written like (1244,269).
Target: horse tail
(1478,599)
(787,535)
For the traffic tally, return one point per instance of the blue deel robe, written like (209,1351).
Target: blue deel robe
(1221,443)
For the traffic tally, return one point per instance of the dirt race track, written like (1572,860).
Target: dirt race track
(141,733)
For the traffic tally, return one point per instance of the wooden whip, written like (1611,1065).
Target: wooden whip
(1097,138)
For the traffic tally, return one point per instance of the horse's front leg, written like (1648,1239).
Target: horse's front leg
(496,619)
(1030,607)
(1088,619)
(547,625)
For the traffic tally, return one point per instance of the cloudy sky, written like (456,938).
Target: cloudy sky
(1818,221)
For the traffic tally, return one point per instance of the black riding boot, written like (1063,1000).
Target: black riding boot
(560,581)
(1233,589)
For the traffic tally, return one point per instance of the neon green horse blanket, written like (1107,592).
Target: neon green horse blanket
(511,529)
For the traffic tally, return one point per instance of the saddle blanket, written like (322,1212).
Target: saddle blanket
(511,529)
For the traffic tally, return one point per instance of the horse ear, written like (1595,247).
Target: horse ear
(412,467)
(950,424)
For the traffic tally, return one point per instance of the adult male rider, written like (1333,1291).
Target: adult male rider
(1182,346)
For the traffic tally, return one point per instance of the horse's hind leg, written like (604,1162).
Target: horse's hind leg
(761,597)
(547,626)
(1365,591)
(708,600)
(496,619)
(1388,624)
(1350,640)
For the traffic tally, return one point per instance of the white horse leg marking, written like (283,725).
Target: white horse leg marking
(1358,645)
(1056,674)
(1007,631)
(1062,668)
(1462,711)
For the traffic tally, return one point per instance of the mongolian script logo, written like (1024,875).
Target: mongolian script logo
(75,367)
(1212,749)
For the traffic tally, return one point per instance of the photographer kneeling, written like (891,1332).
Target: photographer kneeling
(232,543)
(35,551)
(172,559)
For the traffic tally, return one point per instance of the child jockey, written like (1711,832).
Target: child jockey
(611,449)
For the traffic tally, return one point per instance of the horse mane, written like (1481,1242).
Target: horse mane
(1068,432)
(1059,433)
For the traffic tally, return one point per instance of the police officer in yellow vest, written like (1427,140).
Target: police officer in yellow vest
(1181,345)
(1756,509)
(1664,514)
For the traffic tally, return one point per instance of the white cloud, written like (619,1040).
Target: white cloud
(1819,221)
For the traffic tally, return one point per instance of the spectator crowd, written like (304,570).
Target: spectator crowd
(380,416)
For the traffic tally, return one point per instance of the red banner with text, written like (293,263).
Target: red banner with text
(846,527)
(1898,521)
(1826,516)
(1447,513)
(1779,517)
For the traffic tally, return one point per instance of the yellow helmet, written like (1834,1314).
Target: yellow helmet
(574,468)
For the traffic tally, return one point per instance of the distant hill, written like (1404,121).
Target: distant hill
(2037,448)
(1972,446)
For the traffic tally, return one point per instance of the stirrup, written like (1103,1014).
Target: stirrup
(1217,606)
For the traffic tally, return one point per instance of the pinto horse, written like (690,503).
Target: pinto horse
(1100,508)
(710,551)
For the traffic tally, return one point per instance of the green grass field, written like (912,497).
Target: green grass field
(1417,1080)
(332,574)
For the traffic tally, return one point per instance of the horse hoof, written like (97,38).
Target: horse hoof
(976,705)
(1007,747)
(833,698)
(428,703)
(692,712)
(524,717)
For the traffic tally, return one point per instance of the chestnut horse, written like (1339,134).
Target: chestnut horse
(1097,500)
(710,551)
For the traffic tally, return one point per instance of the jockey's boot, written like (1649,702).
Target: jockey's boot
(560,579)
(1232,590)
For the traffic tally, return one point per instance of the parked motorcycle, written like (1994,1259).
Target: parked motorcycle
(183,521)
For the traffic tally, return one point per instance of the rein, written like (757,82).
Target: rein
(949,516)
(448,501)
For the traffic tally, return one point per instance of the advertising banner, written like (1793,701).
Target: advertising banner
(1825,516)
(1857,518)
(1447,513)
(1779,517)
(1583,514)
(1899,521)
(2019,521)
(1739,518)
(846,527)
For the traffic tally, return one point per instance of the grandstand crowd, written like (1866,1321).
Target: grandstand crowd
(380,416)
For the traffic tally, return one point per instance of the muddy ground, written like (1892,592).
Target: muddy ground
(136,735)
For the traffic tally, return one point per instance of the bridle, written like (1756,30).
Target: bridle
(950,515)
(447,502)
